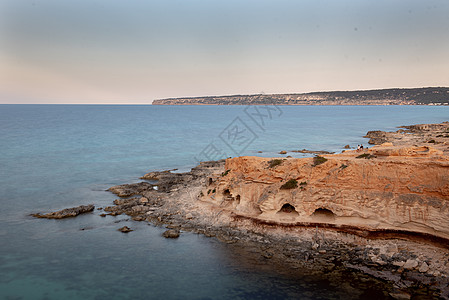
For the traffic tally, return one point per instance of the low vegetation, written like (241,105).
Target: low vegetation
(225,173)
(274,163)
(291,184)
(366,156)
(318,160)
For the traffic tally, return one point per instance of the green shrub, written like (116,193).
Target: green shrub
(303,183)
(275,162)
(291,184)
(225,173)
(318,160)
(343,166)
(366,156)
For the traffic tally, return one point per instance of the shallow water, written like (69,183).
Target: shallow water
(53,157)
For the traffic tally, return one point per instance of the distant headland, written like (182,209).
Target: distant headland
(395,96)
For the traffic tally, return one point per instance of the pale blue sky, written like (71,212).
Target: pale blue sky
(115,51)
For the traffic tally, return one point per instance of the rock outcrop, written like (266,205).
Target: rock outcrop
(66,213)
(171,234)
(421,134)
(125,229)
(404,189)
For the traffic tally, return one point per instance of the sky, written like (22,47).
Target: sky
(132,52)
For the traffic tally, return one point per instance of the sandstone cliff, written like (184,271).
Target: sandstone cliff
(384,188)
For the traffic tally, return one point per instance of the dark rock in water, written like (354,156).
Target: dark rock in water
(66,213)
(171,234)
(125,229)
(283,152)
(377,137)
(347,147)
(126,190)
(319,152)
(156,175)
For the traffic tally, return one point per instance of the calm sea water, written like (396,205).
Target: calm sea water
(58,156)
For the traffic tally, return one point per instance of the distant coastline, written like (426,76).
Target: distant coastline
(395,96)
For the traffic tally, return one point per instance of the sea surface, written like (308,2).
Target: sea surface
(58,156)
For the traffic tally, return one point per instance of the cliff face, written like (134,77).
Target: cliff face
(389,187)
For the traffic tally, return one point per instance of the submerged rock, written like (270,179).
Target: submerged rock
(171,234)
(125,229)
(66,213)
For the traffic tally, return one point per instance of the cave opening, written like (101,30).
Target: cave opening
(210,181)
(227,193)
(323,214)
(287,208)
(237,198)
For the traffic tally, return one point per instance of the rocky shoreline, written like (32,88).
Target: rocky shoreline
(406,268)
(403,266)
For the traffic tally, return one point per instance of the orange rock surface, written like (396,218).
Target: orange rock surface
(385,187)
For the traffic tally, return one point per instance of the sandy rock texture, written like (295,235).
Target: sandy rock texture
(400,186)
(386,188)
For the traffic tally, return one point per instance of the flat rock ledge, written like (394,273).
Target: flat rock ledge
(66,213)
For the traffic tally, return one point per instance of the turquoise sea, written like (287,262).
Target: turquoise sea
(58,156)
